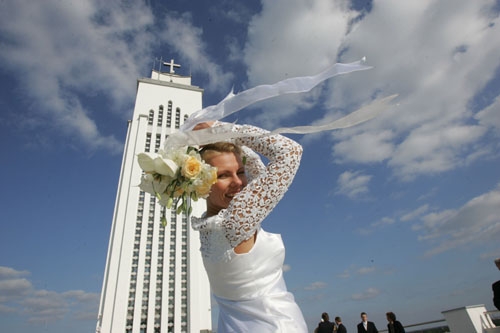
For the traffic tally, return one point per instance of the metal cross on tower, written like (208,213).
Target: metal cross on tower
(171,64)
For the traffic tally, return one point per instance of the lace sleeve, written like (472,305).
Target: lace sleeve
(253,164)
(249,207)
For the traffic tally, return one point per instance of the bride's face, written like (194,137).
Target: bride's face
(231,179)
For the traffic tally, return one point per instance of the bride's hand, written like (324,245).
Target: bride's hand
(203,125)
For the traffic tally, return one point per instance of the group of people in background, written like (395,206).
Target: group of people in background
(393,326)
(365,326)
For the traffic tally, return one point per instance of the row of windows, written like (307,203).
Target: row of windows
(171,280)
(159,282)
(184,271)
(159,277)
(135,260)
(147,262)
(168,124)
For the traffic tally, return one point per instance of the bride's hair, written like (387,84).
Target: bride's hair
(212,149)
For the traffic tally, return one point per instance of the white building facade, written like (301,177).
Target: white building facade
(154,279)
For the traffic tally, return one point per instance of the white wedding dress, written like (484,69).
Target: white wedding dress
(250,288)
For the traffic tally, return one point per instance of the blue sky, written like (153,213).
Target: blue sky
(398,214)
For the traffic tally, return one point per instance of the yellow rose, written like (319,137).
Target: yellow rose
(191,167)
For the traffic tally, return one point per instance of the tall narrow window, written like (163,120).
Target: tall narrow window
(157,142)
(177,118)
(147,147)
(169,114)
(160,116)
(151,116)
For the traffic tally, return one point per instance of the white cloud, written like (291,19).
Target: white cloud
(188,41)
(412,215)
(353,270)
(63,52)
(316,285)
(294,38)
(12,289)
(476,222)
(8,272)
(237,12)
(490,116)
(364,231)
(415,213)
(286,268)
(437,60)
(67,54)
(352,184)
(18,296)
(365,147)
(367,294)
(80,296)
(345,274)
(383,221)
(44,306)
(432,192)
(6,309)
(366,270)
(433,149)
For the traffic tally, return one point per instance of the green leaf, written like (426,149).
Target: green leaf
(164,221)
(170,201)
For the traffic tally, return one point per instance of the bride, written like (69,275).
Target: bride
(244,262)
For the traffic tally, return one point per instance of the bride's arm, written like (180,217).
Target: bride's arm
(254,167)
(249,207)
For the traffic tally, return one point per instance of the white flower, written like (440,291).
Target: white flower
(154,184)
(155,163)
(175,176)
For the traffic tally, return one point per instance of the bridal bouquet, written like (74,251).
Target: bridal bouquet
(175,176)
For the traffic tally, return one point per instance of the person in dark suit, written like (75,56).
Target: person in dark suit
(366,326)
(340,327)
(496,288)
(325,326)
(393,326)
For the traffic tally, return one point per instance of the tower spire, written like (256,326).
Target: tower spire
(171,64)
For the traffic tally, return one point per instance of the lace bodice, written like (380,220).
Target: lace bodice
(221,233)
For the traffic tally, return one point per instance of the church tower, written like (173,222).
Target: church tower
(154,279)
